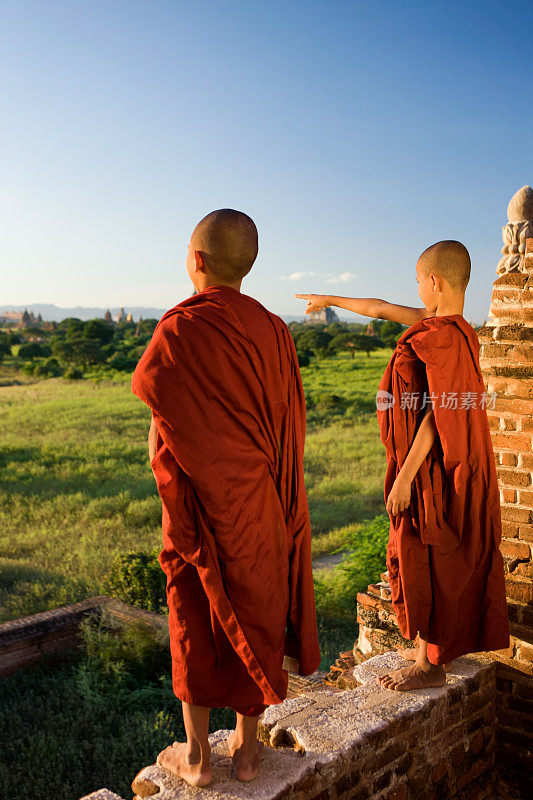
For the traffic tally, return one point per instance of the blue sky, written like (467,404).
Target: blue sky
(355,135)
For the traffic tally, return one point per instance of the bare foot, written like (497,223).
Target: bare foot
(413,677)
(410,654)
(174,758)
(245,763)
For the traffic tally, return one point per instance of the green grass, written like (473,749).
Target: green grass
(95,721)
(77,489)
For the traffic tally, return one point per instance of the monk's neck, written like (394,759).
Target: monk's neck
(208,283)
(448,309)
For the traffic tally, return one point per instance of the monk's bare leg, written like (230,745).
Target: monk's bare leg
(191,760)
(411,653)
(419,675)
(244,748)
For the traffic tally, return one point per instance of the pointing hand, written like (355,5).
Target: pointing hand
(314,301)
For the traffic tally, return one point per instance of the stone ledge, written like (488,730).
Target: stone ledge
(102,794)
(380,742)
(280,769)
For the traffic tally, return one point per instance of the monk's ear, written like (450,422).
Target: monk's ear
(199,261)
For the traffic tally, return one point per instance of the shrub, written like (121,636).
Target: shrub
(73,374)
(329,405)
(121,361)
(47,369)
(336,592)
(137,579)
(304,357)
(31,350)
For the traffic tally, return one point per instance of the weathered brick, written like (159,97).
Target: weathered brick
(382,781)
(517,405)
(478,767)
(417,784)
(519,590)
(324,795)
(379,760)
(514,477)
(357,794)
(397,793)
(525,460)
(508,459)
(525,498)
(515,549)
(510,530)
(519,703)
(516,514)
(476,742)
(476,702)
(440,769)
(509,496)
(403,764)
(525,651)
(525,532)
(512,441)
(346,782)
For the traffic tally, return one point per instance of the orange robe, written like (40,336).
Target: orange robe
(222,379)
(445,566)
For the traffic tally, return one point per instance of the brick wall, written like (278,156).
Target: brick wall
(364,743)
(507,364)
(506,359)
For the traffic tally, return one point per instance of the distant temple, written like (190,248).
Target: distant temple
(121,316)
(21,319)
(323,316)
(370,329)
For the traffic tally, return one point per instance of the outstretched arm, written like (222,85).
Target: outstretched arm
(367,306)
(400,494)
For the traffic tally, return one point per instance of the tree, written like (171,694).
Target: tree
(31,350)
(98,329)
(316,339)
(344,341)
(80,352)
(336,328)
(391,330)
(5,347)
(367,343)
(72,326)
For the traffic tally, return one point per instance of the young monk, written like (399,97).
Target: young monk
(226,444)
(445,567)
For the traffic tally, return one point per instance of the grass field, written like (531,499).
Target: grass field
(77,489)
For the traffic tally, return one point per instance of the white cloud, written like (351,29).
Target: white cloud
(297,276)
(344,277)
(329,277)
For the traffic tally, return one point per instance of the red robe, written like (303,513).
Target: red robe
(222,379)
(445,566)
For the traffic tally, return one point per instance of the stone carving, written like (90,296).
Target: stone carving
(518,229)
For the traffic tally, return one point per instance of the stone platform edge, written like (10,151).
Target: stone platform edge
(362,743)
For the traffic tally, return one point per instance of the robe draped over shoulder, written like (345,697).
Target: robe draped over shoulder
(445,566)
(221,377)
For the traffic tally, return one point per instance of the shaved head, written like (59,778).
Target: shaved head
(227,240)
(450,260)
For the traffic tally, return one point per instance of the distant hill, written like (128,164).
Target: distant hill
(50,312)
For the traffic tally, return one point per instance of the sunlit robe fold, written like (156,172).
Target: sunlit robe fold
(445,567)
(222,379)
